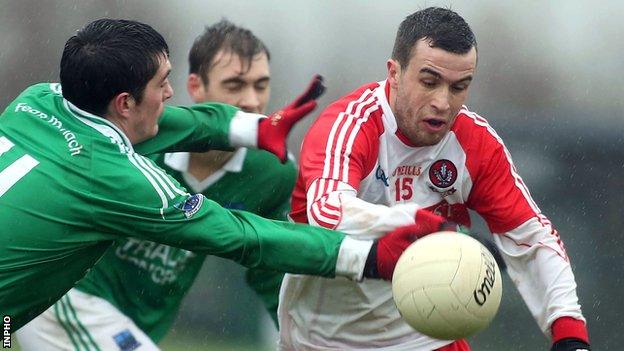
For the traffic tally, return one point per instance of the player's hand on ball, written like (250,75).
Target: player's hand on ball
(273,131)
(570,344)
(386,251)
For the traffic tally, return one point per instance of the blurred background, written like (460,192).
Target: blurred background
(549,80)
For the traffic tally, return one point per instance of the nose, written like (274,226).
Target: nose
(249,101)
(441,100)
(168,91)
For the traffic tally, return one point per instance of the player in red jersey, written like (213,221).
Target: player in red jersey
(377,156)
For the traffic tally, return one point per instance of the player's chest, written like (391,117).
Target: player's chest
(426,175)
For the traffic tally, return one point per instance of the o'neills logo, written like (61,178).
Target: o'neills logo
(443,173)
(482,291)
(407,170)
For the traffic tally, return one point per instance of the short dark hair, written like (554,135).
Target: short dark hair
(108,57)
(445,28)
(226,36)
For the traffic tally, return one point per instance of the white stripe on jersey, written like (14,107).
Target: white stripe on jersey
(356,129)
(341,136)
(89,118)
(164,175)
(480,121)
(343,133)
(15,171)
(161,194)
(5,145)
(117,137)
(332,133)
(160,177)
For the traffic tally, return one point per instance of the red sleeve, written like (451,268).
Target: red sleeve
(340,147)
(498,193)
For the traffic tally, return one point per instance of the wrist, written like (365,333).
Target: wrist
(352,258)
(244,129)
(568,327)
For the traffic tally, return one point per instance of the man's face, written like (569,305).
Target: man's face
(426,95)
(232,81)
(146,113)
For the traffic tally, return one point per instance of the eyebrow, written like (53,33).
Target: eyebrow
(239,80)
(439,76)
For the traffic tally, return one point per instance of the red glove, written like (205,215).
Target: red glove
(386,251)
(273,131)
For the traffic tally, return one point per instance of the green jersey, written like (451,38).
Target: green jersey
(71,183)
(147,281)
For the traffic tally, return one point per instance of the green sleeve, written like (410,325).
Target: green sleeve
(283,192)
(194,128)
(248,239)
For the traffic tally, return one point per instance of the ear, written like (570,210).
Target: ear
(196,87)
(394,71)
(121,105)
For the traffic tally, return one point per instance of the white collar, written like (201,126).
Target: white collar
(102,125)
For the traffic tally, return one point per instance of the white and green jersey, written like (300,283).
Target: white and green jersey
(147,281)
(71,183)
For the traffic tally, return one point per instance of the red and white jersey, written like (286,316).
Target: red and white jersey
(360,175)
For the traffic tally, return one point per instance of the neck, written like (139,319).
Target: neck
(202,165)
(120,123)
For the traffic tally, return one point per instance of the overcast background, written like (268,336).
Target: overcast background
(549,80)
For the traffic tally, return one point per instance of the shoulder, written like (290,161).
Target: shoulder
(359,103)
(356,113)
(475,133)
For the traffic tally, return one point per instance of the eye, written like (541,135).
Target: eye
(233,87)
(459,88)
(429,83)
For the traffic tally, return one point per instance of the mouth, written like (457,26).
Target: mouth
(434,124)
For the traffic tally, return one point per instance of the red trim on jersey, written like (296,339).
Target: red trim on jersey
(540,243)
(457,345)
(568,327)
(498,193)
(341,146)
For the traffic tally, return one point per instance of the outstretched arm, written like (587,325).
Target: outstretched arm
(207,126)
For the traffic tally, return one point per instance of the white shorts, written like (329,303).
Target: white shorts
(83,322)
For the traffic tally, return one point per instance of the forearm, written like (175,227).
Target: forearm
(539,266)
(343,210)
(256,242)
(202,127)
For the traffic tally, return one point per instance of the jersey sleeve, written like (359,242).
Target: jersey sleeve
(340,150)
(202,127)
(157,209)
(532,248)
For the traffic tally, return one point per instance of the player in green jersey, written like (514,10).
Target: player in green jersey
(73,177)
(142,282)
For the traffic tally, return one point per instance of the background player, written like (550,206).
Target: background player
(139,283)
(388,149)
(74,178)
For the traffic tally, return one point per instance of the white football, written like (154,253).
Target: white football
(447,286)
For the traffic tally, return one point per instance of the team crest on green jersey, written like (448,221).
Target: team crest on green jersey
(191,205)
